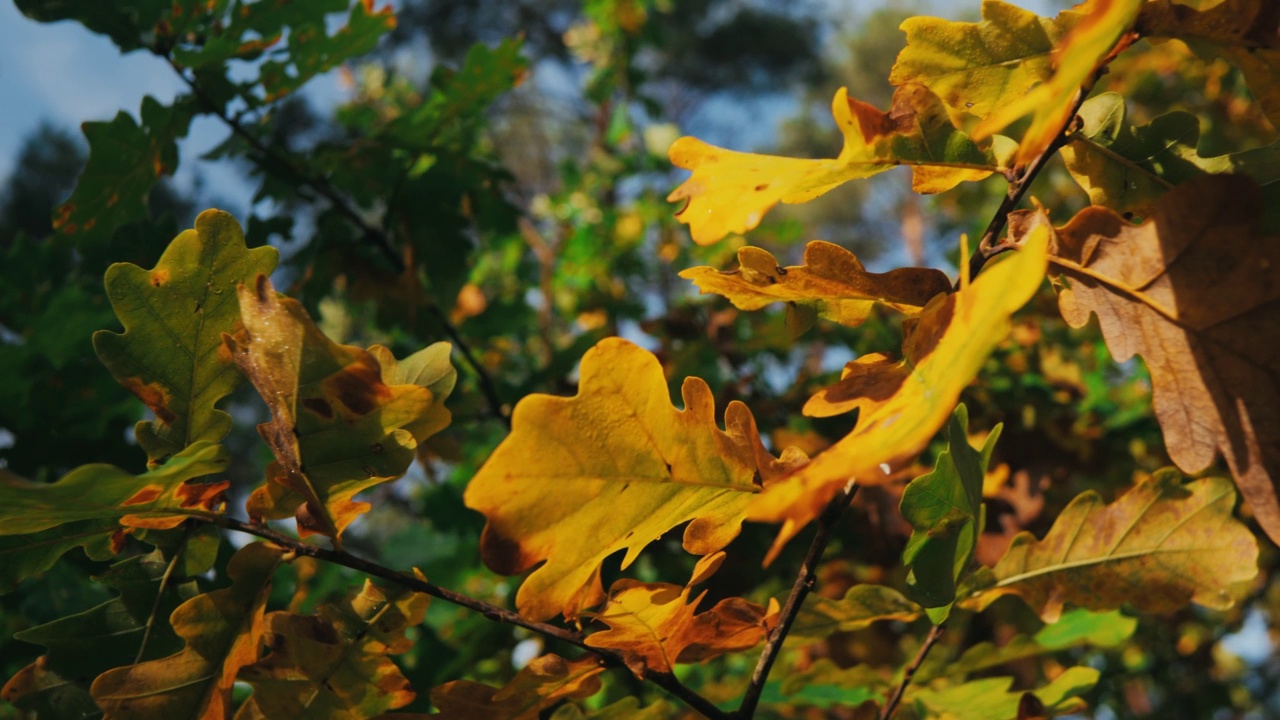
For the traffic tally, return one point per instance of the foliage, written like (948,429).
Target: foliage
(161,560)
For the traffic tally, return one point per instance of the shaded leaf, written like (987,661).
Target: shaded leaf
(336,427)
(540,684)
(1075,59)
(126,158)
(1244,32)
(990,698)
(625,709)
(654,626)
(944,508)
(861,606)
(1159,546)
(223,630)
(730,191)
(1195,291)
(617,464)
(22,556)
(901,405)
(131,24)
(174,316)
(83,646)
(832,281)
(335,664)
(1128,168)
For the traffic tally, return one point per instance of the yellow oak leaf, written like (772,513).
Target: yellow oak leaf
(1194,290)
(832,281)
(223,630)
(337,428)
(730,191)
(902,405)
(611,468)
(1075,59)
(542,683)
(1176,541)
(654,625)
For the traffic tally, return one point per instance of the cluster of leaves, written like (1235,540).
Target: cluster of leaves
(1176,256)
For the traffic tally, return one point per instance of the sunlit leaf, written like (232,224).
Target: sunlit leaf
(861,606)
(335,664)
(81,647)
(539,685)
(831,280)
(654,625)
(901,405)
(1161,545)
(1128,168)
(337,428)
(1193,291)
(223,630)
(990,698)
(1244,32)
(730,191)
(611,468)
(174,316)
(944,508)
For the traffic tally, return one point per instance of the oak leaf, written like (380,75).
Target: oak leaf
(335,663)
(1195,290)
(223,630)
(991,699)
(1159,546)
(1128,168)
(611,468)
(1075,60)
(730,191)
(901,405)
(337,428)
(832,281)
(861,606)
(654,625)
(540,684)
(174,315)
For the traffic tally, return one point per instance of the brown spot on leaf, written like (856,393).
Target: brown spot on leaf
(144,496)
(358,386)
(159,277)
(319,406)
(153,396)
(203,496)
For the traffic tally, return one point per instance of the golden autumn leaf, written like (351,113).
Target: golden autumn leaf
(611,468)
(337,428)
(1246,33)
(1074,60)
(832,280)
(861,606)
(654,625)
(335,664)
(223,630)
(1159,546)
(1195,290)
(540,684)
(903,404)
(730,191)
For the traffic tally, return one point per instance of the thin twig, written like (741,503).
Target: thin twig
(372,234)
(666,681)
(935,633)
(805,581)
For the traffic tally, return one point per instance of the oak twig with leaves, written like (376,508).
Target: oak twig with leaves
(1177,256)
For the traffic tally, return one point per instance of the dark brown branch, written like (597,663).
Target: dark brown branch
(805,581)
(666,681)
(935,633)
(371,233)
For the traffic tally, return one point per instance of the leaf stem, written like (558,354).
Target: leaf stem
(371,233)
(666,681)
(935,633)
(805,580)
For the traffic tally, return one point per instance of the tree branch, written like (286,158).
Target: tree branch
(935,633)
(666,681)
(371,233)
(805,581)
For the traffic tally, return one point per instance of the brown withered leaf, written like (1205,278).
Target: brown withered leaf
(540,684)
(336,428)
(654,625)
(1194,290)
(832,280)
